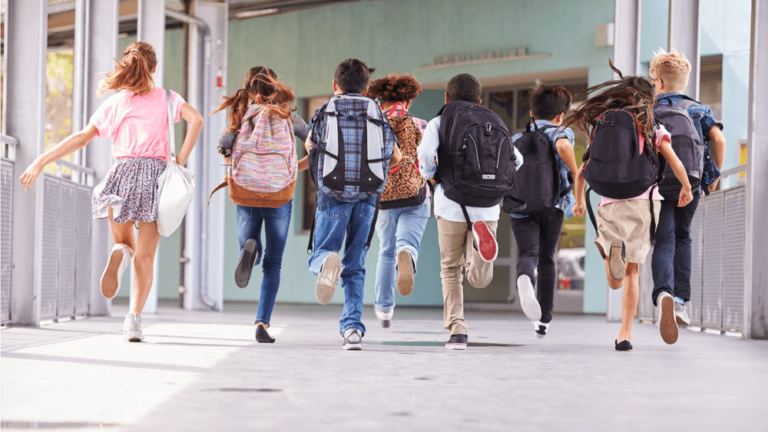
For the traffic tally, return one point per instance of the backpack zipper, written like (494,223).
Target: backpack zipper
(476,154)
(237,161)
(498,158)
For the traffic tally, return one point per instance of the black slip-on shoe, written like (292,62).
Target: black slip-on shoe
(262,335)
(457,342)
(245,263)
(623,345)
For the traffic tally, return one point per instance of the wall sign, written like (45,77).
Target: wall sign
(477,57)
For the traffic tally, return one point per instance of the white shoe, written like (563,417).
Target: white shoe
(353,340)
(528,301)
(667,319)
(384,318)
(328,278)
(540,329)
(119,260)
(132,328)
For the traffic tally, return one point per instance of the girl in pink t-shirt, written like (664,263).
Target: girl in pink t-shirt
(624,225)
(137,121)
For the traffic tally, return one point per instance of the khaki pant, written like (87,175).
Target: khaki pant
(457,252)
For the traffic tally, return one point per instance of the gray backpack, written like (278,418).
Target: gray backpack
(685,142)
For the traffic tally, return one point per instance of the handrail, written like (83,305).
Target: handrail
(734,170)
(76,167)
(5,139)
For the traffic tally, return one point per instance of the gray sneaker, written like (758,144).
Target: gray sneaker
(681,313)
(353,339)
(132,328)
(328,278)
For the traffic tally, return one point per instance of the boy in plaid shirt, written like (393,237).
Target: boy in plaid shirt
(671,262)
(351,218)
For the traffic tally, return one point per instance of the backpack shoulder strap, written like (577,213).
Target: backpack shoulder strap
(216,189)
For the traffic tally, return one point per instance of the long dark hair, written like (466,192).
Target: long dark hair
(260,82)
(633,94)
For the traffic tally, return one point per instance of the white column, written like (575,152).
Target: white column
(756,292)
(685,36)
(101,40)
(626,58)
(151,29)
(26,43)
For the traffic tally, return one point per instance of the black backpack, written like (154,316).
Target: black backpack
(476,160)
(686,143)
(538,180)
(615,167)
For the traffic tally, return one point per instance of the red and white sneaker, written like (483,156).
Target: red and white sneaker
(485,242)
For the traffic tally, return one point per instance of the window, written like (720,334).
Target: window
(308,188)
(711,83)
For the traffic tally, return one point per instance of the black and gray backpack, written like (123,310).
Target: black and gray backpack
(476,159)
(686,143)
(615,167)
(538,180)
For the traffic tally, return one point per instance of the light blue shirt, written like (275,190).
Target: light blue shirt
(555,133)
(444,206)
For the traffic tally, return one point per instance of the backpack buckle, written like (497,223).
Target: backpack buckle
(488,128)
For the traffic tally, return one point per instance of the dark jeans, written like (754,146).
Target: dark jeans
(671,261)
(537,238)
(276,222)
(334,221)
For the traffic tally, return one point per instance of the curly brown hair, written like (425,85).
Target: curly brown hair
(395,88)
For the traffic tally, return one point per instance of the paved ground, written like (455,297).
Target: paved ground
(201,371)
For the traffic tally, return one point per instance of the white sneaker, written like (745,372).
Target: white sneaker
(119,260)
(132,328)
(328,278)
(384,318)
(353,339)
(540,329)
(528,301)
(667,319)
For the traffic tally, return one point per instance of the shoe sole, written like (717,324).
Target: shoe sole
(486,243)
(404,273)
(328,278)
(615,263)
(134,338)
(109,280)
(681,321)
(456,346)
(385,324)
(243,269)
(668,321)
(265,340)
(538,335)
(528,302)
(352,347)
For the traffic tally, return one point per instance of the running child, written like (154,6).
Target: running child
(467,148)
(136,118)
(350,146)
(695,133)
(259,140)
(622,165)
(405,203)
(544,183)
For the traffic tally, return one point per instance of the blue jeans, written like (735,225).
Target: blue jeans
(398,229)
(333,221)
(671,261)
(277,221)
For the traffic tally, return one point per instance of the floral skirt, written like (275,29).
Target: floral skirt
(130,189)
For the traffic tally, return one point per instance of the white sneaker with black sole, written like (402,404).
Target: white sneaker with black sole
(353,339)
(384,318)
(528,302)
(132,328)
(540,329)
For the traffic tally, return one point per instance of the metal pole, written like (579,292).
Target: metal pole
(756,281)
(685,36)
(26,44)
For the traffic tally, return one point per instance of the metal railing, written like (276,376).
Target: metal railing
(6,223)
(718,239)
(66,254)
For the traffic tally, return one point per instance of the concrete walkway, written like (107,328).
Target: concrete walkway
(203,371)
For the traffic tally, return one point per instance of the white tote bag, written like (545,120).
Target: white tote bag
(174,186)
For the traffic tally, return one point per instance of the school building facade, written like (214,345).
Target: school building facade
(509,46)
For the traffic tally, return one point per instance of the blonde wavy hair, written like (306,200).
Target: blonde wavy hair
(672,68)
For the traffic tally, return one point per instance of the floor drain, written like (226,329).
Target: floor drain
(245,390)
(10,425)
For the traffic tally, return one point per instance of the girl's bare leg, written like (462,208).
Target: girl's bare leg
(143,263)
(122,233)
(629,300)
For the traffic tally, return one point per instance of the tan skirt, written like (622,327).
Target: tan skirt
(629,221)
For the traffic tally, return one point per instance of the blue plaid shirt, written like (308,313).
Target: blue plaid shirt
(567,202)
(352,128)
(704,121)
